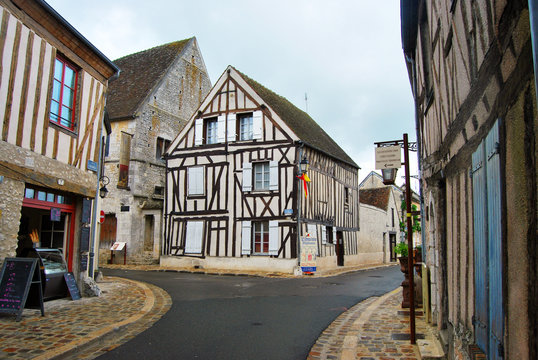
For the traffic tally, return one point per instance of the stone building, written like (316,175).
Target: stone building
(52,96)
(157,91)
(380,216)
(470,65)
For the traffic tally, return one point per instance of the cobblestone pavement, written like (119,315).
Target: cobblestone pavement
(89,327)
(77,329)
(371,330)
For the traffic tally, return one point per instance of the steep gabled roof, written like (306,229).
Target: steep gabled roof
(139,75)
(378,197)
(300,122)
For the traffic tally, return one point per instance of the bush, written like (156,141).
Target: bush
(401,249)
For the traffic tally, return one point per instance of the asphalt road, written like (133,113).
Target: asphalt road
(240,317)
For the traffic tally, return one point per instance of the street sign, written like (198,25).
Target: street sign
(389,157)
(102,217)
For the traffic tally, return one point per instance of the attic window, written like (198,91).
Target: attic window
(245,124)
(162,145)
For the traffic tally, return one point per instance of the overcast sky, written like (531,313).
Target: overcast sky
(346,55)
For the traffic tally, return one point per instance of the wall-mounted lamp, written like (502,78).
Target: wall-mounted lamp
(304,165)
(103,191)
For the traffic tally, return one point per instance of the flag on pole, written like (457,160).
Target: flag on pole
(305,179)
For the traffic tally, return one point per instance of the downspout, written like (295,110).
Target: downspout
(95,207)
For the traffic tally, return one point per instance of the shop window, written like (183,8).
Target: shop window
(52,232)
(62,105)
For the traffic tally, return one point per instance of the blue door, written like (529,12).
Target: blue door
(487,211)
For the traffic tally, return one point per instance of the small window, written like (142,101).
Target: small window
(195,180)
(246,127)
(330,237)
(261,176)
(211,131)
(62,105)
(347,195)
(261,237)
(159,190)
(162,145)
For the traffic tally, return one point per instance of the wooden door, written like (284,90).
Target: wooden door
(339,248)
(108,232)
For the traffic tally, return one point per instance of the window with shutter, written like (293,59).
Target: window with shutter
(257,125)
(194,237)
(231,128)
(221,128)
(273,175)
(195,180)
(247,176)
(245,126)
(273,238)
(261,238)
(261,176)
(246,237)
(198,132)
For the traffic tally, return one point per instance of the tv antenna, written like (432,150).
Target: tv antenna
(306,101)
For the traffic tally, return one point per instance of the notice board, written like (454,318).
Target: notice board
(18,276)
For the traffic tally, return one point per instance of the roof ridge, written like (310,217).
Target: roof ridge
(298,121)
(156,48)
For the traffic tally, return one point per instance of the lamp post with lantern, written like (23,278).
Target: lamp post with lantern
(388,159)
(302,169)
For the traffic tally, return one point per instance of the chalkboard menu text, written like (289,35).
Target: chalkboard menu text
(18,276)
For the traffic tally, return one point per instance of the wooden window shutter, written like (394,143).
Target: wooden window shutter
(246,230)
(324,234)
(198,132)
(231,127)
(257,125)
(247,176)
(194,235)
(273,175)
(273,238)
(221,128)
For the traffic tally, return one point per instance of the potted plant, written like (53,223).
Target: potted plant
(402,250)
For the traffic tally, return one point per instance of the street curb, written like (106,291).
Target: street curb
(98,334)
(221,272)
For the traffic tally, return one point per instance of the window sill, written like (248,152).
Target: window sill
(66,131)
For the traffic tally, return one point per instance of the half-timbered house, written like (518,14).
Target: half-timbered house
(156,93)
(233,199)
(473,72)
(52,95)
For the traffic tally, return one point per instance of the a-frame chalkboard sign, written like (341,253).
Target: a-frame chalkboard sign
(20,286)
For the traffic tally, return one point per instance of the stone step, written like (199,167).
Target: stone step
(431,349)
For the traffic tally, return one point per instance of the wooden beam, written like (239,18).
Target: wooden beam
(34,177)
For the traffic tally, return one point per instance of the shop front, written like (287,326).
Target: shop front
(47,222)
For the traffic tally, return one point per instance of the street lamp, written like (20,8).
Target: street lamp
(303,165)
(103,191)
(389,161)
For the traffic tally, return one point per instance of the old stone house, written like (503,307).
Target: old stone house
(157,91)
(470,65)
(52,95)
(233,199)
(380,216)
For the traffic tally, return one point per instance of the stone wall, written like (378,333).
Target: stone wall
(11,195)
(167,109)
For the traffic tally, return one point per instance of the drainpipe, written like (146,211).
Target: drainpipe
(533,15)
